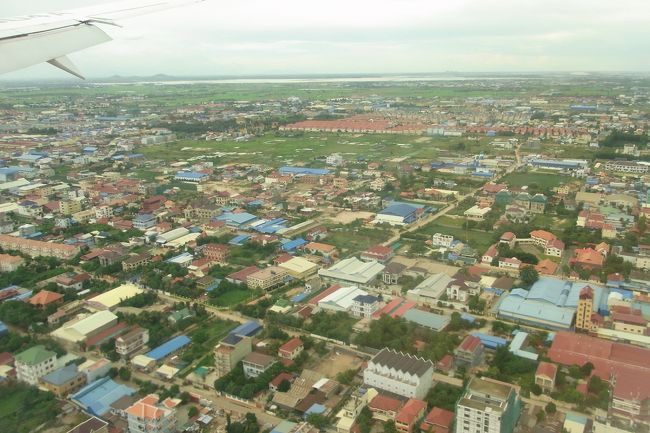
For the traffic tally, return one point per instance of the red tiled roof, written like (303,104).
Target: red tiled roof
(384,403)
(45,297)
(469,344)
(438,417)
(291,345)
(546,369)
(411,411)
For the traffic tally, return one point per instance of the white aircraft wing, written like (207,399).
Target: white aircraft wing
(34,39)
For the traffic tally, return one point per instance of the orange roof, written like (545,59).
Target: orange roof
(146,408)
(291,345)
(384,403)
(45,297)
(411,411)
(546,369)
(546,266)
(543,234)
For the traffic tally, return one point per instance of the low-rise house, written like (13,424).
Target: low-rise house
(45,298)
(554,248)
(92,425)
(384,408)
(9,263)
(545,376)
(256,363)
(63,381)
(291,349)
(267,278)
(437,421)
(392,272)
(410,415)
(510,263)
(378,253)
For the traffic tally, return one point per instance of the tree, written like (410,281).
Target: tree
(125,373)
(586,369)
(284,386)
(551,408)
(192,412)
(389,427)
(318,420)
(536,389)
(528,275)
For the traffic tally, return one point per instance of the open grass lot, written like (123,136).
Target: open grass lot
(23,409)
(477,239)
(232,297)
(544,180)
(352,240)
(310,146)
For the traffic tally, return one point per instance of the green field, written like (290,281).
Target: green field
(232,297)
(477,239)
(544,180)
(350,241)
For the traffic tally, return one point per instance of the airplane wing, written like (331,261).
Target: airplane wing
(34,39)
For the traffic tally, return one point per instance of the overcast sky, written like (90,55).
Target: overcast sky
(253,37)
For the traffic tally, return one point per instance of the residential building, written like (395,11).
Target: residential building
(585,310)
(134,262)
(291,349)
(144,221)
(63,381)
(545,376)
(437,421)
(477,213)
(378,253)
(69,207)
(256,363)
(488,405)
(34,363)
(587,258)
(267,278)
(392,273)
(131,341)
(232,349)
(554,248)
(402,374)
(365,305)
(44,298)
(9,263)
(509,263)
(489,255)
(216,252)
(149,415)
(36,248)
(410,415)
(442,240)
(469,352)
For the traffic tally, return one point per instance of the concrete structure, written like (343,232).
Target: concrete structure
(397,215)
(585,311)
(469,352)
(149,415)
(488,406)
(364,305)
(232,349)
(399,373)
(267,278)
(131,341)
(545,376)
(428,292)
(144,221)
(34,363)
(84,327)
(35,248)
(300,268)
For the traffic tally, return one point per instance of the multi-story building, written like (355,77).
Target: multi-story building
(201,211)
(149,415)
(626,167)
(488,406)
(469,352)
(69,207)
(364,305)
(545,376)
(232,349)
(409,415)
(103,212)
(441,240)
(132,341)
(584,311)
(216,252)
(256,363)
(144,221)
(134,262)
(35,248)
(34,363)
(399,373)
(267,278)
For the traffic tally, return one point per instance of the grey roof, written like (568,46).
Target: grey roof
(402,362)
(366,299)
(61,375)
(231,339)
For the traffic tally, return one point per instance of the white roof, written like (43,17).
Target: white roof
(172,234)
(353,270)
(142,361)
(342,298)
(77,330)
(113,297)
(476,210)
(179,242)
(433,287)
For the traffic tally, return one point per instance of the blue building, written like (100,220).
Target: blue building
(490,341)
(237,220)
(397,214)
(191,176)
(168,347)
(293,244)
(550,303)
(96,398)
(247,329)
(303,170)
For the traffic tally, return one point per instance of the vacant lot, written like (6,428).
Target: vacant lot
(336,362)
(346,217)
(543,180)
(477,239)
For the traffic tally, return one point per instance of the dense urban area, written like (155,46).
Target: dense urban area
(423,256)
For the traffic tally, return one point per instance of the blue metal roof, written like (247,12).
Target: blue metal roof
(299,297)
(143,217)
(237,218)
(190,174)
(169,347)
(490,341)
(238,240)
(401,210)
(247,329)
(304,170)
(97,397)
(61,375)
(292,245)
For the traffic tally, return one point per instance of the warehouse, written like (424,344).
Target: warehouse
(171,235)
(78,330)
(96,398)
(113,298)
(353,271)
(342,299)
(168,347)
(397,214)
(300,268)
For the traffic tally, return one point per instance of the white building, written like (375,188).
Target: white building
(428,292)
(399,373)
(487,406)
(352,271)
(34,363)
(477,213)
(440,240)
(334,159)
(342,299)
(364,305)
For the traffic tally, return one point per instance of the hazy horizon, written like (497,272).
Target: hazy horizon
(289,37)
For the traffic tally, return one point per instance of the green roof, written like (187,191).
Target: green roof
(34,355)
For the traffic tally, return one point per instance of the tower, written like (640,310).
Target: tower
(585,309)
